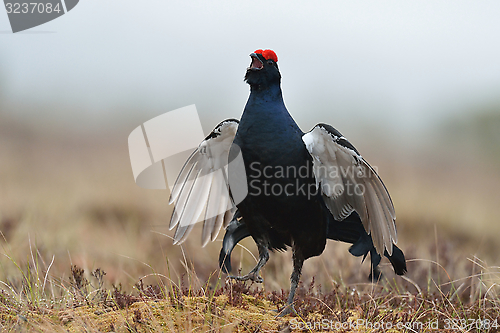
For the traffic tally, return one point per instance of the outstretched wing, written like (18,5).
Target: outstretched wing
(348,183)
(202,186)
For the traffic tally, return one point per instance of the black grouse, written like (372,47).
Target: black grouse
(263,177)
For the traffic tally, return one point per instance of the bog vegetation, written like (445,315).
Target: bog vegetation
(85,250)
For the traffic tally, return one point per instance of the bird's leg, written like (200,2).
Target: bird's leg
(298,261)
(254,273)
(375,273)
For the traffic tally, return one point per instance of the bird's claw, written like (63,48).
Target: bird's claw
(250,276)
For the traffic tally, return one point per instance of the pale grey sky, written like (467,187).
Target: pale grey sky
(408,63)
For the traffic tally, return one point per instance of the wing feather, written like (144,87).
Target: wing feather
(183,197)
(220,218)
(349,183)
(199,193)
(181,178)
(211,211)
(201,189)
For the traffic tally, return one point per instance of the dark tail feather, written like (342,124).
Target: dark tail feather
(397,260)
(375,274)
(351,230)
(235,231)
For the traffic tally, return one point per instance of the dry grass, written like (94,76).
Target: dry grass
(69,206)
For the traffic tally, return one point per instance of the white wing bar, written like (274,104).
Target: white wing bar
(201,186)
(349,183)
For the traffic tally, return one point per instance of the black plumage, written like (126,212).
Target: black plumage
(303,188)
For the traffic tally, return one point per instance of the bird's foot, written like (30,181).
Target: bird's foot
(250,276)
(288,309)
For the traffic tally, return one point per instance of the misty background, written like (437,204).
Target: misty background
(414,85)
(402,66)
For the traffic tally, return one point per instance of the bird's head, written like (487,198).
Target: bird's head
(263,70)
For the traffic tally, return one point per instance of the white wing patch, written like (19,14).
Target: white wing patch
(349,183)
(202,187)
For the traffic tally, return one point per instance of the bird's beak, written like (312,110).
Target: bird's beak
(256,62)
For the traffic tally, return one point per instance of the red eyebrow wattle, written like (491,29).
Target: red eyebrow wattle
(267,54)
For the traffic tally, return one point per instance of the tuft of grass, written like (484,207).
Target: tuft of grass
(83,303)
